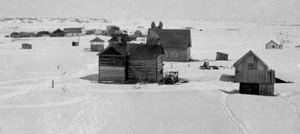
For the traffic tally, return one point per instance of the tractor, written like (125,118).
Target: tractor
(171,77)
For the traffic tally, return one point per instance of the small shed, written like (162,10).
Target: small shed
(272,45)
(97,44)
(26,46)
(254,75)
(221,56)
(74,43)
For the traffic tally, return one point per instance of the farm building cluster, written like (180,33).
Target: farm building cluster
(140,57)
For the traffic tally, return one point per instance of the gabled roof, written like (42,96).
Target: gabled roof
(97,40)
(136,51)
(121,48)
(144,51)
(272,42)
(170,38)
(124,38)
(73,30)
(58,31)
(246,56)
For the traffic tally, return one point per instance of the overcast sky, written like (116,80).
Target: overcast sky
(224,10)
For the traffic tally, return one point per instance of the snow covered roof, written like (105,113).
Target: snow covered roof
(246,56)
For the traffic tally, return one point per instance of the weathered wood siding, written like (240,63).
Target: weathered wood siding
(177,55)
(257,88)
(241,69)
(111,73)
(221,56)
(145,70)
(97,48)
(258,76)
(112,68)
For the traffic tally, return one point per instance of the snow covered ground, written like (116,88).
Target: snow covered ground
(208,103)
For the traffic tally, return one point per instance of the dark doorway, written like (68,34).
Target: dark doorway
(249,88)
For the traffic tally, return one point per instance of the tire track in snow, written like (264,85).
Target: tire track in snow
(230,114)
(295,107)
(120,118)
(76,100)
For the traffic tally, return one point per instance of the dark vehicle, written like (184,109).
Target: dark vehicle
(171,77)
(206,66)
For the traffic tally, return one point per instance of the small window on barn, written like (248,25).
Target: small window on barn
(251,66)
(273,46)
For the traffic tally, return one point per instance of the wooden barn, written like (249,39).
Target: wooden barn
(58,33)
(254,75)
(176,42)
(273,45)
(75,31)
(131,63)
(119,38)
(26,46)
(221,56)
(97,45)
(145,63)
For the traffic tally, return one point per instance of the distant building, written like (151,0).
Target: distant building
(97,45)
(43,34)
(75,31)
(273,45)
(254,75)
(137,33)
(26,46)
(176,42)
(119,38)
(58,33)
(221,56)
(113,30)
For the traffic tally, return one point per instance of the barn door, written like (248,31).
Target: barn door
(249,88)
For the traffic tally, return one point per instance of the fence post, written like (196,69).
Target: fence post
(52,83)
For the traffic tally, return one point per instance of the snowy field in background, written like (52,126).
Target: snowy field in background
(208,103)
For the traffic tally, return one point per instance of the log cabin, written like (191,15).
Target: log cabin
(254,75)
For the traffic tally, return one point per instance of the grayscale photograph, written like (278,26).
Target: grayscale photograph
(149,67)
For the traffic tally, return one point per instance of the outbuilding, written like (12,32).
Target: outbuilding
(221,56)
(97,44)
(26,46)
(273,45)
(254,75)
